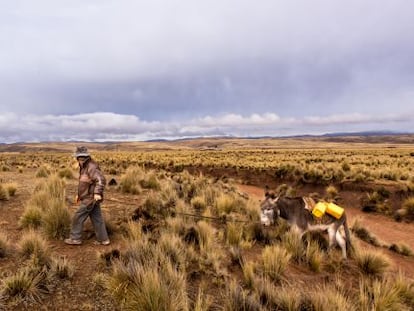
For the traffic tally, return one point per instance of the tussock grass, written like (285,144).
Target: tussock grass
(134,231)
(199,203)
(401,248)
(4,245)
(206,234)
(203,302)
(129,182)
(33,245)
(31,218)
(361,232)
(371,263)
(381,295)
(281,298)
(226,204)
(275,260)
(249,274)
(233,234)
(61,268)
(325,296)
(150,181)
(314,256)
(148,287)
(56,220)
(331,192)
(292,242)
(4,194)
(42,172)
(408,208)
(173,248)
(237,299)
(23,285)
(66,173)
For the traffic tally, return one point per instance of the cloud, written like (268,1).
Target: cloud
(116,127)
(213,67)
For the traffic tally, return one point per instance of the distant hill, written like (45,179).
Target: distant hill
(225,142)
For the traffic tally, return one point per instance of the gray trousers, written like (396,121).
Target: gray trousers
(94,212)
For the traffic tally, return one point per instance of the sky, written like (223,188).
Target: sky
(107,70)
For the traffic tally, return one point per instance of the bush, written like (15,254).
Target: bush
(56,220)
(274,261)
(66,173)
(4,245)
(42,172)
(23,285)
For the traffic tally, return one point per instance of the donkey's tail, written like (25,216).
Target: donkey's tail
(349,246)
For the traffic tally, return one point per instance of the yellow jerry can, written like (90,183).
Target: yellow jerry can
(334,210)
(319,209)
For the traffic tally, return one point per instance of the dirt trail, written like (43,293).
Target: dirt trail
(384,228)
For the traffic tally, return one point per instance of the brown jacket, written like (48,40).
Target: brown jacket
(91,181)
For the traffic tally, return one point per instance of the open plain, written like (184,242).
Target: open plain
(183,218)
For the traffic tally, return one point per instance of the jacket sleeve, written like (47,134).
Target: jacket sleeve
(98,178)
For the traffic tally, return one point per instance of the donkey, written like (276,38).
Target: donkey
(297,214)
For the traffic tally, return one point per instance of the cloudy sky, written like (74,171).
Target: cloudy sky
(135,70)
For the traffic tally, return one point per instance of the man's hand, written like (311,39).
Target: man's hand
(97,197)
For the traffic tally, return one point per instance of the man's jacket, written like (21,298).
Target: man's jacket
(91,181)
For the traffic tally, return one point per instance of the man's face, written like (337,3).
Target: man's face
(81,160)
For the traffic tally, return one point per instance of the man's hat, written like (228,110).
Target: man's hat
(81,151)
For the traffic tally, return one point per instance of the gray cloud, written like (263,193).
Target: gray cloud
(173,62)
(110,126)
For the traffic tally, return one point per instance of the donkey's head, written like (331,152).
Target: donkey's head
(268,209)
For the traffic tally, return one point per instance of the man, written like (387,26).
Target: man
(90,195)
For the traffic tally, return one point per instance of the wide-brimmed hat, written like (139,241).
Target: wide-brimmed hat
(81,151)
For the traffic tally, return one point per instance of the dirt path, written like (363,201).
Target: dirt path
(384,228)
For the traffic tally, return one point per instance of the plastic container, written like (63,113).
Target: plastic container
(319,209)
(334,210)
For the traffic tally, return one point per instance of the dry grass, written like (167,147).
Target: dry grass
(274,262)
(371,263)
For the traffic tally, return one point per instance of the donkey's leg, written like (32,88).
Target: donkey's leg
(342,243)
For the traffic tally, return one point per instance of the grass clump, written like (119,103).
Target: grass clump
(4,194)
(275,260)
(129,182)
(23,285)
(237,299)
(61,268)
(66,173)
(32,245)
(408,208)
(56,220)
(31,218)
(42,172)
(372,263)
(4,245)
